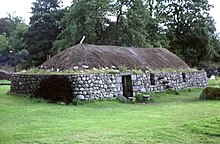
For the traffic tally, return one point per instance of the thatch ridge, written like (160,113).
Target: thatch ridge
(98,56)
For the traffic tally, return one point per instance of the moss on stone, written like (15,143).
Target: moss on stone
(210,93)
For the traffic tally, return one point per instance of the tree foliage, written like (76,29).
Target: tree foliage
(3,42)
(215,48)
(189,28)
(129,29)
(12,29)
(84,18)
(44,28)
(109,22)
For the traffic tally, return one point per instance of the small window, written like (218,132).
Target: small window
(184,77)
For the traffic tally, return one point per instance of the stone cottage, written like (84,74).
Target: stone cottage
(66,87)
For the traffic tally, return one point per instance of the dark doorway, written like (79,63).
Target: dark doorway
(127,86)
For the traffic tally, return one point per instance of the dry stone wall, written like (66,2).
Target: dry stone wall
(84,86)
(164,80)
(99,86)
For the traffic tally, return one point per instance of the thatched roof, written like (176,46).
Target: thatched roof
(4,75)
(98,56)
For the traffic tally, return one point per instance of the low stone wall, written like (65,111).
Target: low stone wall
(98,86)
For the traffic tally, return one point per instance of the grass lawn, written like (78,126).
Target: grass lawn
(5,82)
(171,119)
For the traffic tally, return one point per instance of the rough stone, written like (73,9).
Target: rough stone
(80,97)
(110,85)
(84,92)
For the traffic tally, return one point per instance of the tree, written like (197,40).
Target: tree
(189,28)
(17,45)
(215,48)
(3,42)
(12,29)
(85,18)
(17,35)
(6,25)
(43,30)
(134,24)
(141,29)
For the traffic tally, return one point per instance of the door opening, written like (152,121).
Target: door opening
(127,86)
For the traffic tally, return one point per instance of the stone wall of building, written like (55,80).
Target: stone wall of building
(99,86)
(84,86)
(164,80)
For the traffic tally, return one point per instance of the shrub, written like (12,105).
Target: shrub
(138,97)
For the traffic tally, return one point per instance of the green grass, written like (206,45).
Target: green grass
(5,82)
(214,82)
(170,119)
(121,69)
